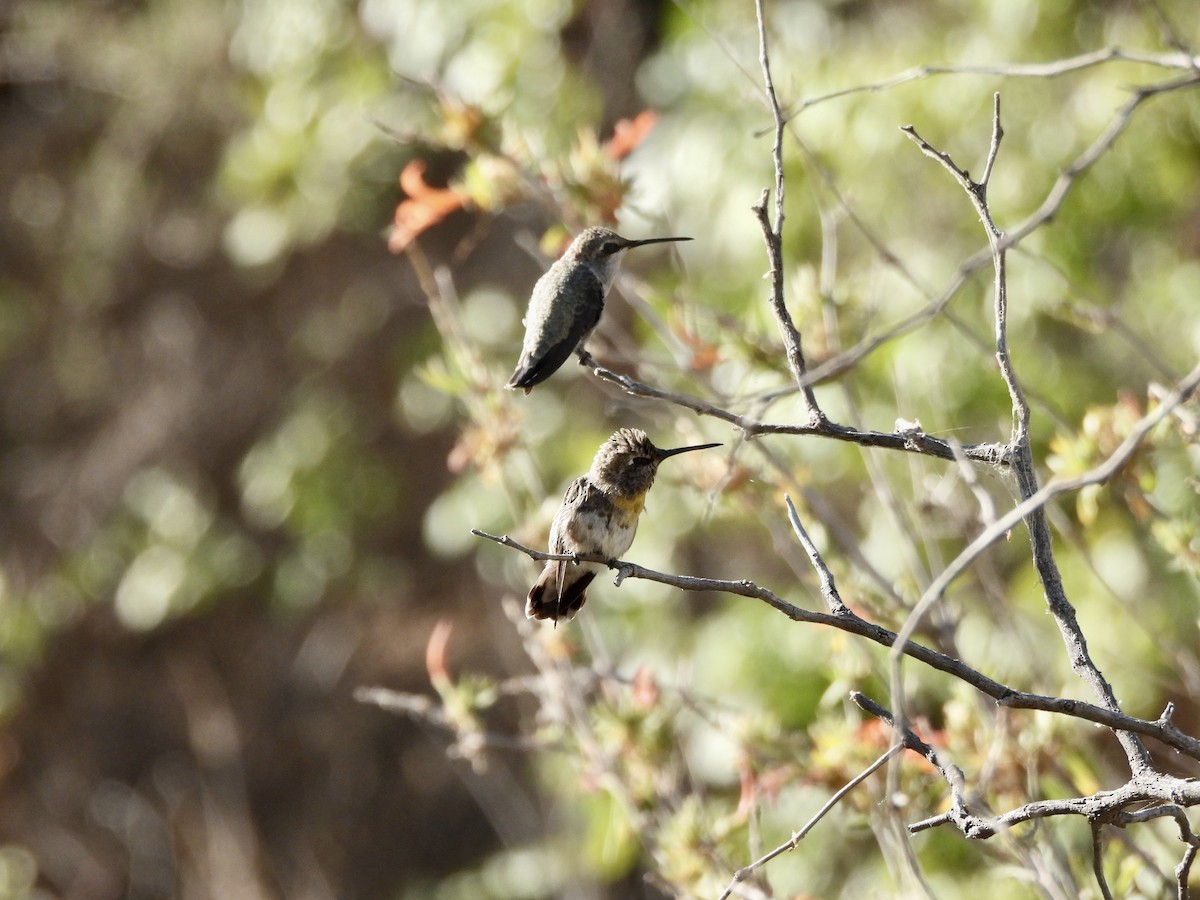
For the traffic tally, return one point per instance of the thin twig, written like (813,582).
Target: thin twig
(1170,33)
(1007,70)
(773,233)
(1183,871)
(828,588)
(837,365)
(1097,475)
(904,441)
(1186,835)
(908,738)
(742,874)
(1098,860)
(425,709)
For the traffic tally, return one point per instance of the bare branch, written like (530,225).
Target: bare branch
(1098,860)
(1162,729)
(1009,70)
(837,365)
(1035,502)
(905,441)
(1103,806)
(1063,184)
(1023,466)
(792,843)
(950,773)
(1099,808)
(773,234)
(425,709)
(828,588)
(1186,835)
(1098,475)
(1183,871)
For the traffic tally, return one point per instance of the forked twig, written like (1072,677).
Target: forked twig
(1023,466)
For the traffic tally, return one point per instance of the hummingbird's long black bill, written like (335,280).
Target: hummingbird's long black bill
(645,241)
(663,454)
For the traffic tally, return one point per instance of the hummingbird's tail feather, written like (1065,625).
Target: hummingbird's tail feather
(544,601)
(533,370)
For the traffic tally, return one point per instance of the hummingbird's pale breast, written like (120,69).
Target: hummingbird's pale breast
(601,523)
(599,516)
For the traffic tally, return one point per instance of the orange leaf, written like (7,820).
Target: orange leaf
(748,789)
(704,354)
(705,358)
(435,653)
(628,133)
(645,688)
(424,207)
(874,732)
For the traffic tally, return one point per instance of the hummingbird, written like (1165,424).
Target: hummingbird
(599,515)
(567,302)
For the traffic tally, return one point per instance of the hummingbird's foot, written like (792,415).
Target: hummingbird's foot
(624,570)
(585,358)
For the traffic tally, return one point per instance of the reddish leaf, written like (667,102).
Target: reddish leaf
(748,793)
(873,731)
(435,652)
(629,133)
(704,354)
(772,781)
(645,688)
(460,457)
(424,207)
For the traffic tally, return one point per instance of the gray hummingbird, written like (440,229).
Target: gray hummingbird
(567,302)
(599,515)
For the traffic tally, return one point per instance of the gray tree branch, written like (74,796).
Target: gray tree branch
(1161,729)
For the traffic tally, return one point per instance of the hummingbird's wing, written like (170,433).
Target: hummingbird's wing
(562,311)
(560,531)
(561,589)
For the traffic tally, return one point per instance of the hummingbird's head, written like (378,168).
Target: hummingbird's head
(601,249)
(627,462)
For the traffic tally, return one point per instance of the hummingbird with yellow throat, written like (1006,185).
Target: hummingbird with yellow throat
(599,515)
(567,302)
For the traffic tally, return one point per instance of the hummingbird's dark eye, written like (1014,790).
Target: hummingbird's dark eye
(641,460)
(610,247)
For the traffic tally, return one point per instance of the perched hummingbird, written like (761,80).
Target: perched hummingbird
(567,302)
(599,514)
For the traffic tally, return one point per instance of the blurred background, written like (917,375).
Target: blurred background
(242,444)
